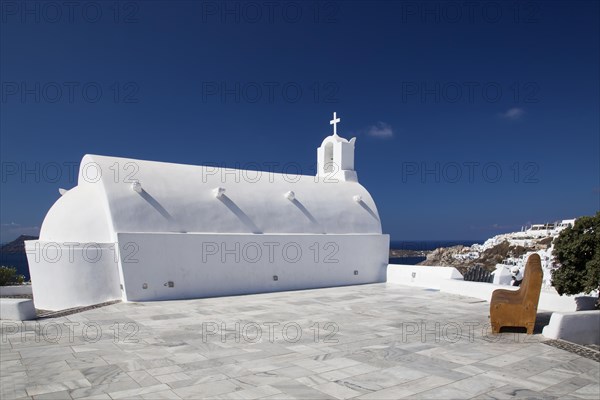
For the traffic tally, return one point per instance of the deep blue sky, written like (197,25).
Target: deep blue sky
(502,85)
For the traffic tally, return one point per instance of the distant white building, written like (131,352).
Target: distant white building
(141,230)
(527,238)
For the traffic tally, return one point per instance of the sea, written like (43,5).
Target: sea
(423,245)
(20,260)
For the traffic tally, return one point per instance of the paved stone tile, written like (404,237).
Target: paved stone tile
(590,351)
(143,378)
(504,360)
(258,392)
(40,362)
(100,390)
(10,392)
(470,370)
(165,394)
(6,356)
(137,365)
(514,392)
(103,396)
(37,389)
(384,341)
(85,360)
(591,391)
(296,390)
(336,390)
(209,389)
(197,381)
(41,370)
(381,379)
(294,372)
(359,369)
(568,386)
(262,378)
(104,374)
(408,388)
(132,393)
(508,378)
(63,395)
(45,351)
(585,367)
(177,376)
(466,388)
(164,370)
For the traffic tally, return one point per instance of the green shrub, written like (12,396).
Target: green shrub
(577,250)
(8,276)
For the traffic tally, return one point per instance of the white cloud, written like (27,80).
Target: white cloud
(381,130)
(513,114)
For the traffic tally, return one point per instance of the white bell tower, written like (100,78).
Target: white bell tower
(335,157)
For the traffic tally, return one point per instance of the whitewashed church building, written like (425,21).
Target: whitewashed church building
(136,230)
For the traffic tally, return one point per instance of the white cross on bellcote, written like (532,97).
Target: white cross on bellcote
(334,122)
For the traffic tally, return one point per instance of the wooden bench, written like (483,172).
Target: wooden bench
(518,308)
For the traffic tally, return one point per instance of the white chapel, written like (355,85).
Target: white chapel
(137,230)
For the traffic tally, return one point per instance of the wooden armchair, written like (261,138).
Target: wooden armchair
(519,307)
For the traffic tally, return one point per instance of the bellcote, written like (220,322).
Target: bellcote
(335,156)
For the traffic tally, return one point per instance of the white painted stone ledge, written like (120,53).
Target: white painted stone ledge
(17,309)
(420,275)
(449,280)
(16,290)
(581,327)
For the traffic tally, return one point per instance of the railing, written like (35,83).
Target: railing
(476,273)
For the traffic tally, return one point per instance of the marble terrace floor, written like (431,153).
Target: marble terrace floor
(379,341)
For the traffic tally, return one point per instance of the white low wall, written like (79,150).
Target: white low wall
(207,265)
(420,275)
(549,299)
(582,327)
(16,290)
(449,280)
(17,309)
(65,275)
(478,290)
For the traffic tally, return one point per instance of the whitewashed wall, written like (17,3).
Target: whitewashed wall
(66,275)
(211,265)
